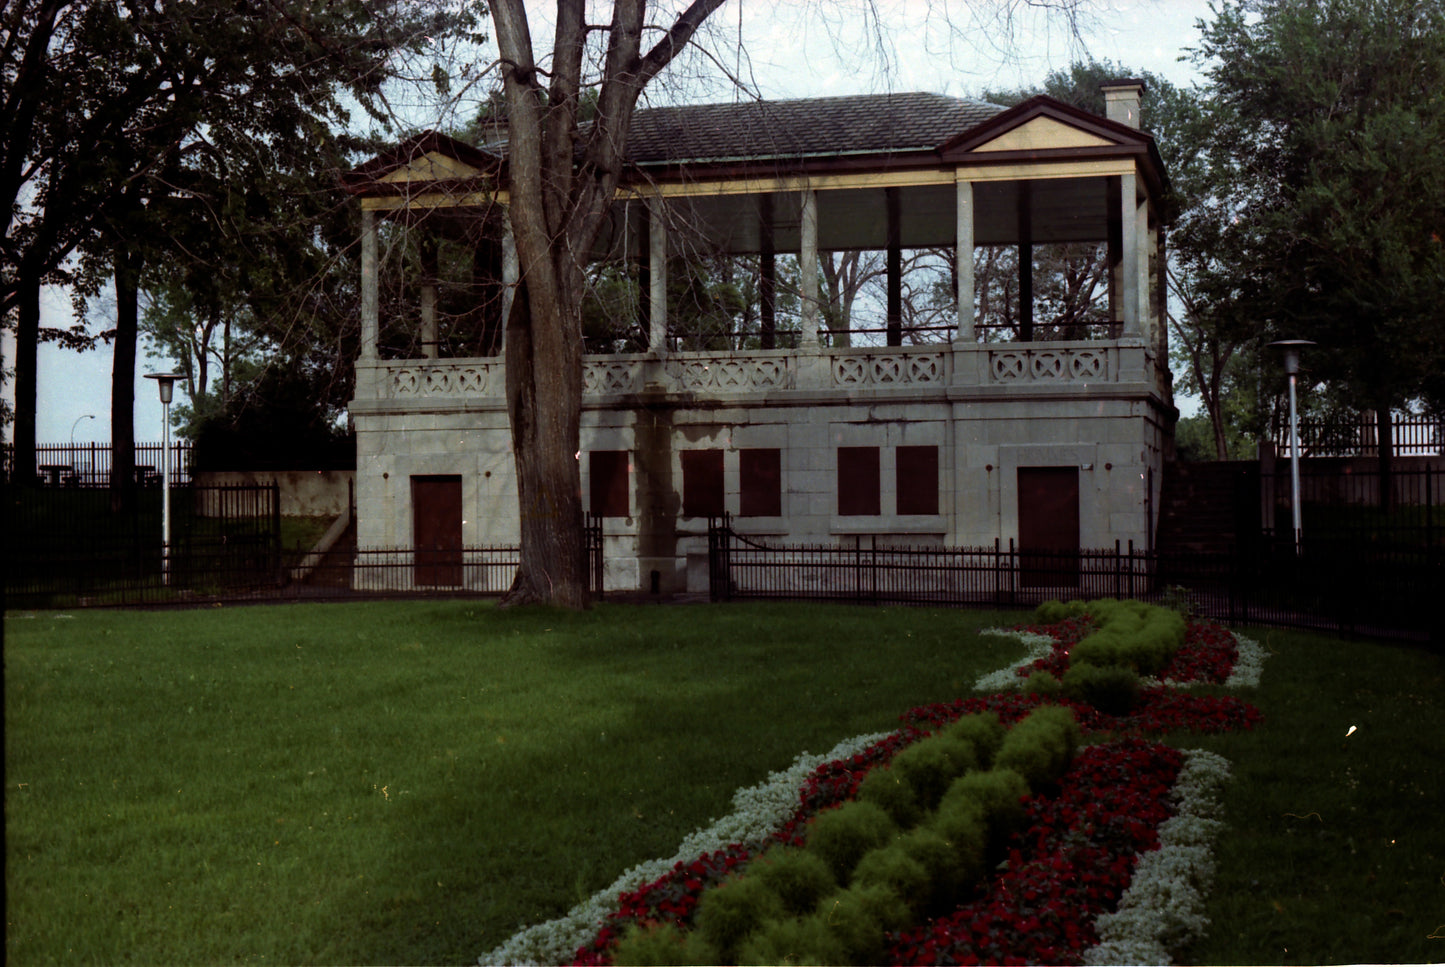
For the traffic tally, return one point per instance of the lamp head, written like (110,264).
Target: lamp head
(166,383)
(1291,349)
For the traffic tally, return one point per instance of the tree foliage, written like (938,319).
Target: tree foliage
(1328,119)
(133,127)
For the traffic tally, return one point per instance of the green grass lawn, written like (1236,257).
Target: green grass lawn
(406,782)
(410,782)
(1336,845)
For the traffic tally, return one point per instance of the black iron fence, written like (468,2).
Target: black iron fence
(1351,588)
(243,561)
(77,465)
(1344,502)
(73,543)
(1410,435)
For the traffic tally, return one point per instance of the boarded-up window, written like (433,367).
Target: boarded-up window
(761,473)
(608,472)
(917,480)
(436,512)
(1048,526)
(858,493)
(702,483)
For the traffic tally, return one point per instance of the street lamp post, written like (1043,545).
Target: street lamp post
(88,416)
(1291,349)
(70,455)
(165,382)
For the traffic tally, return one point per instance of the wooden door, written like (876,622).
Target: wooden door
(436,512)
(1048,526)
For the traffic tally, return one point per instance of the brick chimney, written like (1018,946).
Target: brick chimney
(1121,100)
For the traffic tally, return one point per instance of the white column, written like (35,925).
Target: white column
(370,316)
(511,274)
(808,268)
(1129,271)
(657,274)
(964,256)
(429,320)
(1144,239)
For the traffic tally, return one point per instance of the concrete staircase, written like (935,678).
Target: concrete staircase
(1208,507)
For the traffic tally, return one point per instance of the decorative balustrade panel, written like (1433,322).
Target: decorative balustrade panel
(729,373)
(741,373)
(445,380)
(1055,365)
(900,367)
(621,374)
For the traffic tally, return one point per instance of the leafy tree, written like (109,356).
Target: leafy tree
(1329,224)
(274,424)
(114,107)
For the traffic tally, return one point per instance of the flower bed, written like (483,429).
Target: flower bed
(1064,874)
(1071,864)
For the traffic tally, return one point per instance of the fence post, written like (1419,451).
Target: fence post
(1429,514)
(873,567)
(1013,572)
(858,568)
(275,541)
(1233,580)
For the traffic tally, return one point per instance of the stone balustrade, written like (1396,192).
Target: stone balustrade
(990,368)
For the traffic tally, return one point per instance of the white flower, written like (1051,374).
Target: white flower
(1248,666)
(758,812)
(1039,646)
(1163,909)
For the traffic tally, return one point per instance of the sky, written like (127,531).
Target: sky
(790,49)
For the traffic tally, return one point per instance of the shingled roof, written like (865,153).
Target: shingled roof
(758,130)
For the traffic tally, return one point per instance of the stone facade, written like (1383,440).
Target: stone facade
(988,409)
(824,443)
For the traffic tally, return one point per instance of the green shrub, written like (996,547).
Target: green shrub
(1132,634)
(659,946)
(948,868)
(930,765)
(1113,690)
(1040,747)
(887,789)
(860,918)
(993,797)
(1043,683)
(730,911)
(894,868)
(1052,612)
(964,822)
(983,730)
(799,878)
(793,941)
(841,837)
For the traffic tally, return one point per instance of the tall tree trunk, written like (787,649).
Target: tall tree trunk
(557,202)
(27,341)
(122,381)
(544,404)
(226,360)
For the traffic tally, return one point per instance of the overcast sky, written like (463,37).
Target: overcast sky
(790,49)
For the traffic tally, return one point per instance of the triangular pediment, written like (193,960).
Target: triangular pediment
(431,166)
(1043,126)
(1043,133)
(425,158)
